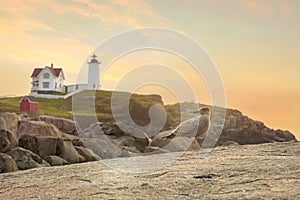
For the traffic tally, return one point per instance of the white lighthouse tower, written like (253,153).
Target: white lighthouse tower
(93,76)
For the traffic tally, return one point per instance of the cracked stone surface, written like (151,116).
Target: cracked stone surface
(263,171)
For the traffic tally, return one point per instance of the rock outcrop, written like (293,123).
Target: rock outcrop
(8,131)
(55,160)
(8,140)
(25,159)
(37,128)
(64,125)
(46,140)
(30,142)
(87,154)
(76,141)
(111,141)
(243,130)
(7,164)
(9,122)
(43,146)
(67,151)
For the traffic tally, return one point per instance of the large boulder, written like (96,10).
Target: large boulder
(9,121)
(67,151)
(37,128)
(87,154)
(76,141)
(162,139)
(41,145)
(111,128)
(63,124)
(131,144)
(25,159)
(8,140)
(7,164)
(168,142)
(105,147)
(178,144)
(55,160)
(93,130)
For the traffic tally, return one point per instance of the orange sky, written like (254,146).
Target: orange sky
(255,45)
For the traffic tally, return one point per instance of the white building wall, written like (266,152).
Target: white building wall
(50,80)
(34,84)
(60,82)
(93,76)
(74,88)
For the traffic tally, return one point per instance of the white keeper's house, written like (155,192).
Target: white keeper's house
(50,80)
(47,80)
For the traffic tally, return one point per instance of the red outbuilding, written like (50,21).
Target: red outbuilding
(28,103)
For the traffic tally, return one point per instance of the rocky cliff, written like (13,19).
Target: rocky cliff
(41,141)
(243,130)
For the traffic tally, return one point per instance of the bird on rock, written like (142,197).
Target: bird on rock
(194,127)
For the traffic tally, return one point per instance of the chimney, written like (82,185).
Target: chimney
(51,65)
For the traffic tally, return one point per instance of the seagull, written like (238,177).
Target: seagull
(191,128)
(194,127)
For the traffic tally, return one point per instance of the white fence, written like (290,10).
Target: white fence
(51,96)
(48,96)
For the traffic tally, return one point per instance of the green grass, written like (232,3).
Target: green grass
(63,107)
(10,104)
(55,107)
(138,106)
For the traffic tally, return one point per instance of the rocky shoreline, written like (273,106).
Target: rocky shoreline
(28,142)
(43,141)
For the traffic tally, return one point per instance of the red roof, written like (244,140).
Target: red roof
(31,99)
(37,71)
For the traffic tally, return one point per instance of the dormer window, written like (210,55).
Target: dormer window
(46,75)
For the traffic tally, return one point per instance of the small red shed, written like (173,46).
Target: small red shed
(28,103)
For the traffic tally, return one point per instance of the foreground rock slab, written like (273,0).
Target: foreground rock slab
(263,171)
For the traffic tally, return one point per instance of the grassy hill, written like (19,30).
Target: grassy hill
(55,107)
(139,106)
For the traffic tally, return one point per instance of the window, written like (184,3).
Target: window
(35,83)
(76,87)
(55,85)
(46,75)
(45,84)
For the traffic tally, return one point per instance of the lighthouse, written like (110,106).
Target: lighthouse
(93,75)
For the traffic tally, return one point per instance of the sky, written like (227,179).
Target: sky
(255,45)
